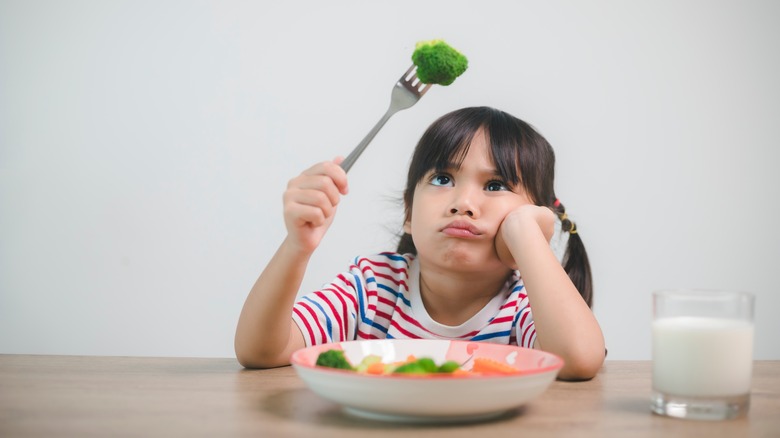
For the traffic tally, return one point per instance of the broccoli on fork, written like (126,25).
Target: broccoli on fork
(438,63)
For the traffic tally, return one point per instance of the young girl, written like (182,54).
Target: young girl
(474,262)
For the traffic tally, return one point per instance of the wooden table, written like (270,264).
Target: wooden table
(132,396)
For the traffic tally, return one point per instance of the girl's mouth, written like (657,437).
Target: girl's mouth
(461,229)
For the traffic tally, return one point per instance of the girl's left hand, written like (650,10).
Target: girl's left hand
(518,224)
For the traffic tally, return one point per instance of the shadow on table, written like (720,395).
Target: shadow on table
(302,405)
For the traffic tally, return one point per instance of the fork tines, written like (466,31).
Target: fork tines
(411,83)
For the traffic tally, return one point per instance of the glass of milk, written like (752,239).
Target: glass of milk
(702,353)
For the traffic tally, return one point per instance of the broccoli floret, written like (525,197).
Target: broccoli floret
(438,63)
(334,359)
(449,367)
(420,366)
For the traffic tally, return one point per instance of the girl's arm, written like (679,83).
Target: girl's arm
(266,336)
(565,325)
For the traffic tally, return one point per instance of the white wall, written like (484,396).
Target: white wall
(144,147)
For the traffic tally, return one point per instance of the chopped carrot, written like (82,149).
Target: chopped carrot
(484,365)
(398,363)
(376,368)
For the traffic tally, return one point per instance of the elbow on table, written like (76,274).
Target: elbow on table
(583,366)
(260,359)
(248,361)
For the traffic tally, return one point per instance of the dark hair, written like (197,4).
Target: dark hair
(521,156)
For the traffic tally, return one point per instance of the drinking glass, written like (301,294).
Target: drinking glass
(702,353)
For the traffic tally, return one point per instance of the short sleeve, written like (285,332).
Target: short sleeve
(329,314)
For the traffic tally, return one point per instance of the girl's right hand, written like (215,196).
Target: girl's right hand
(517,224)
(310,203)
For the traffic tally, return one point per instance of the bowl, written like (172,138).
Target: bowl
(434,397)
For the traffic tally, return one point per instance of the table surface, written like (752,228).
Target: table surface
(135,396)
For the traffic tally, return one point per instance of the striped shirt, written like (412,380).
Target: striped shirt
(379,298)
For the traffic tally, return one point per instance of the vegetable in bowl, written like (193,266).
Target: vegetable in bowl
(334,359)
(372,364)
(473,393)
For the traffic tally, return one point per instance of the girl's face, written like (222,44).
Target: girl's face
(457,212)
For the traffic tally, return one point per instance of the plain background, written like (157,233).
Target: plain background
(145,146)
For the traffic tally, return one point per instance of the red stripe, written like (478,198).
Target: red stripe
(314,317)
(522,318)
(502,319)
(522,296)
(409,319)
(384,265)
(387,302)
(383,315)
(306,324)
(345,312)
(405,332)
(343,292)
(526,338)
(391,279)
(333,311)
(364,335)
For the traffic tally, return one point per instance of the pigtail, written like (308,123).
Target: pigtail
(575,260)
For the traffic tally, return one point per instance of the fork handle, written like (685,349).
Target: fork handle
(353,156)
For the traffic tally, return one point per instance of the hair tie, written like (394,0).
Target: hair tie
(564,217)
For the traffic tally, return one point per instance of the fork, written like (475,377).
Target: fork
(406,92)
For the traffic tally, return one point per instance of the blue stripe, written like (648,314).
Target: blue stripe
(516,318)
(325,314)
(395,257)
(362,305)
(396,293)
(519,313)
(514,328)
(484,336)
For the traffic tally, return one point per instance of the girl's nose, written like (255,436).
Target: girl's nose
(463,204)
(455,211)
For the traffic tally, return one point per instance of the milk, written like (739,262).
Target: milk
(702,356)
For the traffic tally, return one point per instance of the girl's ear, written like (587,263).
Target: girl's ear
(408,227)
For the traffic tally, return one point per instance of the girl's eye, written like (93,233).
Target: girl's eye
(441,180)
(496,186)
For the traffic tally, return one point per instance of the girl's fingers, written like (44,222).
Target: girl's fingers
(332,170)
(319,183)
(310,198)
(341,176)
(306,215)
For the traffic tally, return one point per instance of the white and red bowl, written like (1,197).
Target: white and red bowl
(437,397)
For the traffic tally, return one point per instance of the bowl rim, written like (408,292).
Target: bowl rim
(297,361)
